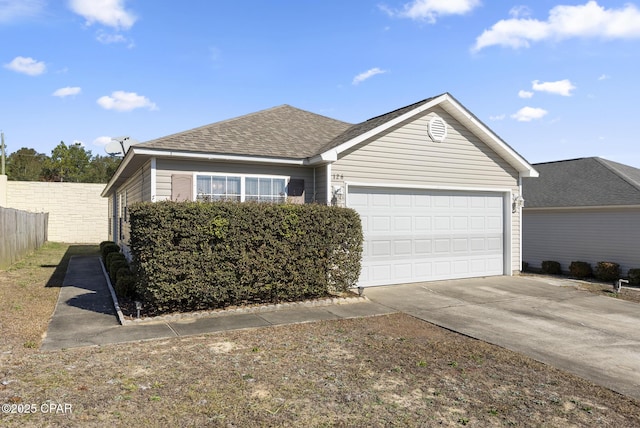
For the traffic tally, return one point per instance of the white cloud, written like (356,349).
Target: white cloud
(430,10)
(125,101)
(67,91)
(366,75)
(102,141)
(11,10)
(527,114)
(525,94)
(585,21)
(519,12)
(106,12)
(26,65)
(604,77)
(498,117)
(560,87)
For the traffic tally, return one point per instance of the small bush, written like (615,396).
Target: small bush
(104,243)
(525,266)
(125,283)
(550,267)
(115,266)
(634,276)
(111,257)
(607,271)
(580,269)
(108,248)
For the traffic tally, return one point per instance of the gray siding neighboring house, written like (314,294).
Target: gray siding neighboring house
(433,185)
(584,209)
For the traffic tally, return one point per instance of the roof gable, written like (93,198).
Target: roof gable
(583,182)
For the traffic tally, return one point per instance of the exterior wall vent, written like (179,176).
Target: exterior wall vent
(437,129)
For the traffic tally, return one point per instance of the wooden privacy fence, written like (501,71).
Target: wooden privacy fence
(21,232)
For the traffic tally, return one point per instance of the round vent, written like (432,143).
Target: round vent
(437,129)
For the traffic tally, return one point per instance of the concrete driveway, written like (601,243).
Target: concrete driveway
(594,337)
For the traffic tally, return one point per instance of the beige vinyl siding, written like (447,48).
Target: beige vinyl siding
(165,168)
(406,155)
(135,189)
(589,235)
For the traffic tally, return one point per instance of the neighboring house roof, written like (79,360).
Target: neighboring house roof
(584,182)
(288,135)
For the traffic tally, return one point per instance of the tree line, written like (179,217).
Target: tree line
(69,163)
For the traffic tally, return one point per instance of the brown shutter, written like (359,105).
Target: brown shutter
(181,187)
(295,191)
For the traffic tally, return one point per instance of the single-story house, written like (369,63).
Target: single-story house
(584,209)
(434,186)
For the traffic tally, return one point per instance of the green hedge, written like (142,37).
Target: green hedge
(194,256)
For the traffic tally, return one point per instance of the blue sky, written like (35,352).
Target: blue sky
(555,79)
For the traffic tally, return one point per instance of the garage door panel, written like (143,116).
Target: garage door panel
(414,235)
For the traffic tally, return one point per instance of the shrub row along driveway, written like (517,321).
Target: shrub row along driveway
(593,336)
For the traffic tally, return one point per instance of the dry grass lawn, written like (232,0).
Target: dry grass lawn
(381,371)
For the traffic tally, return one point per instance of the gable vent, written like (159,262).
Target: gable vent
(437,129)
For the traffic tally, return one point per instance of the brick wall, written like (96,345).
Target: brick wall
(77,212)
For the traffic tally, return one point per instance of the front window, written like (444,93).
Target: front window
(265,189)
(217,187)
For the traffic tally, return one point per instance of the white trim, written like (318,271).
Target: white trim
(329,180)
(233,158)
(242,177)
(153,172)
(507,240)
(507,222)
(429,187)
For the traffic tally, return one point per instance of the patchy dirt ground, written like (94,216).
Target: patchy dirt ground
(381,371)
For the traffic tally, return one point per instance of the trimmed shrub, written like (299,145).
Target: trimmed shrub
(634,276)
(114,267)
(125,284)
(525,266)
(607,271)
(551,267)
(580,269)
(111,257)
(196,256)
(108,248)
(103,243)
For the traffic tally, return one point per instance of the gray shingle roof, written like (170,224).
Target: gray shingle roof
(282,132)
(582,182)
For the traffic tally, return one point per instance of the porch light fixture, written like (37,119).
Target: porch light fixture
(517,204)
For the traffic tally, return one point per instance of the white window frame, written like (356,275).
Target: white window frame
(242,177)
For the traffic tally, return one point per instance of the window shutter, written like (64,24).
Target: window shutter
(181,187)
(295,191)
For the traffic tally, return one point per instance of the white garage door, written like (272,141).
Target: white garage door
(425,235)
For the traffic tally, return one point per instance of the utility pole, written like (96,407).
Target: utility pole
(2,153)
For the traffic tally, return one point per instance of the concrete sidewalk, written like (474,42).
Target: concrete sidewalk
(594,337)
(85,314)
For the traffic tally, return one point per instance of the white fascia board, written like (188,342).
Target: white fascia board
(114,178)
(209,156)
(327,157)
